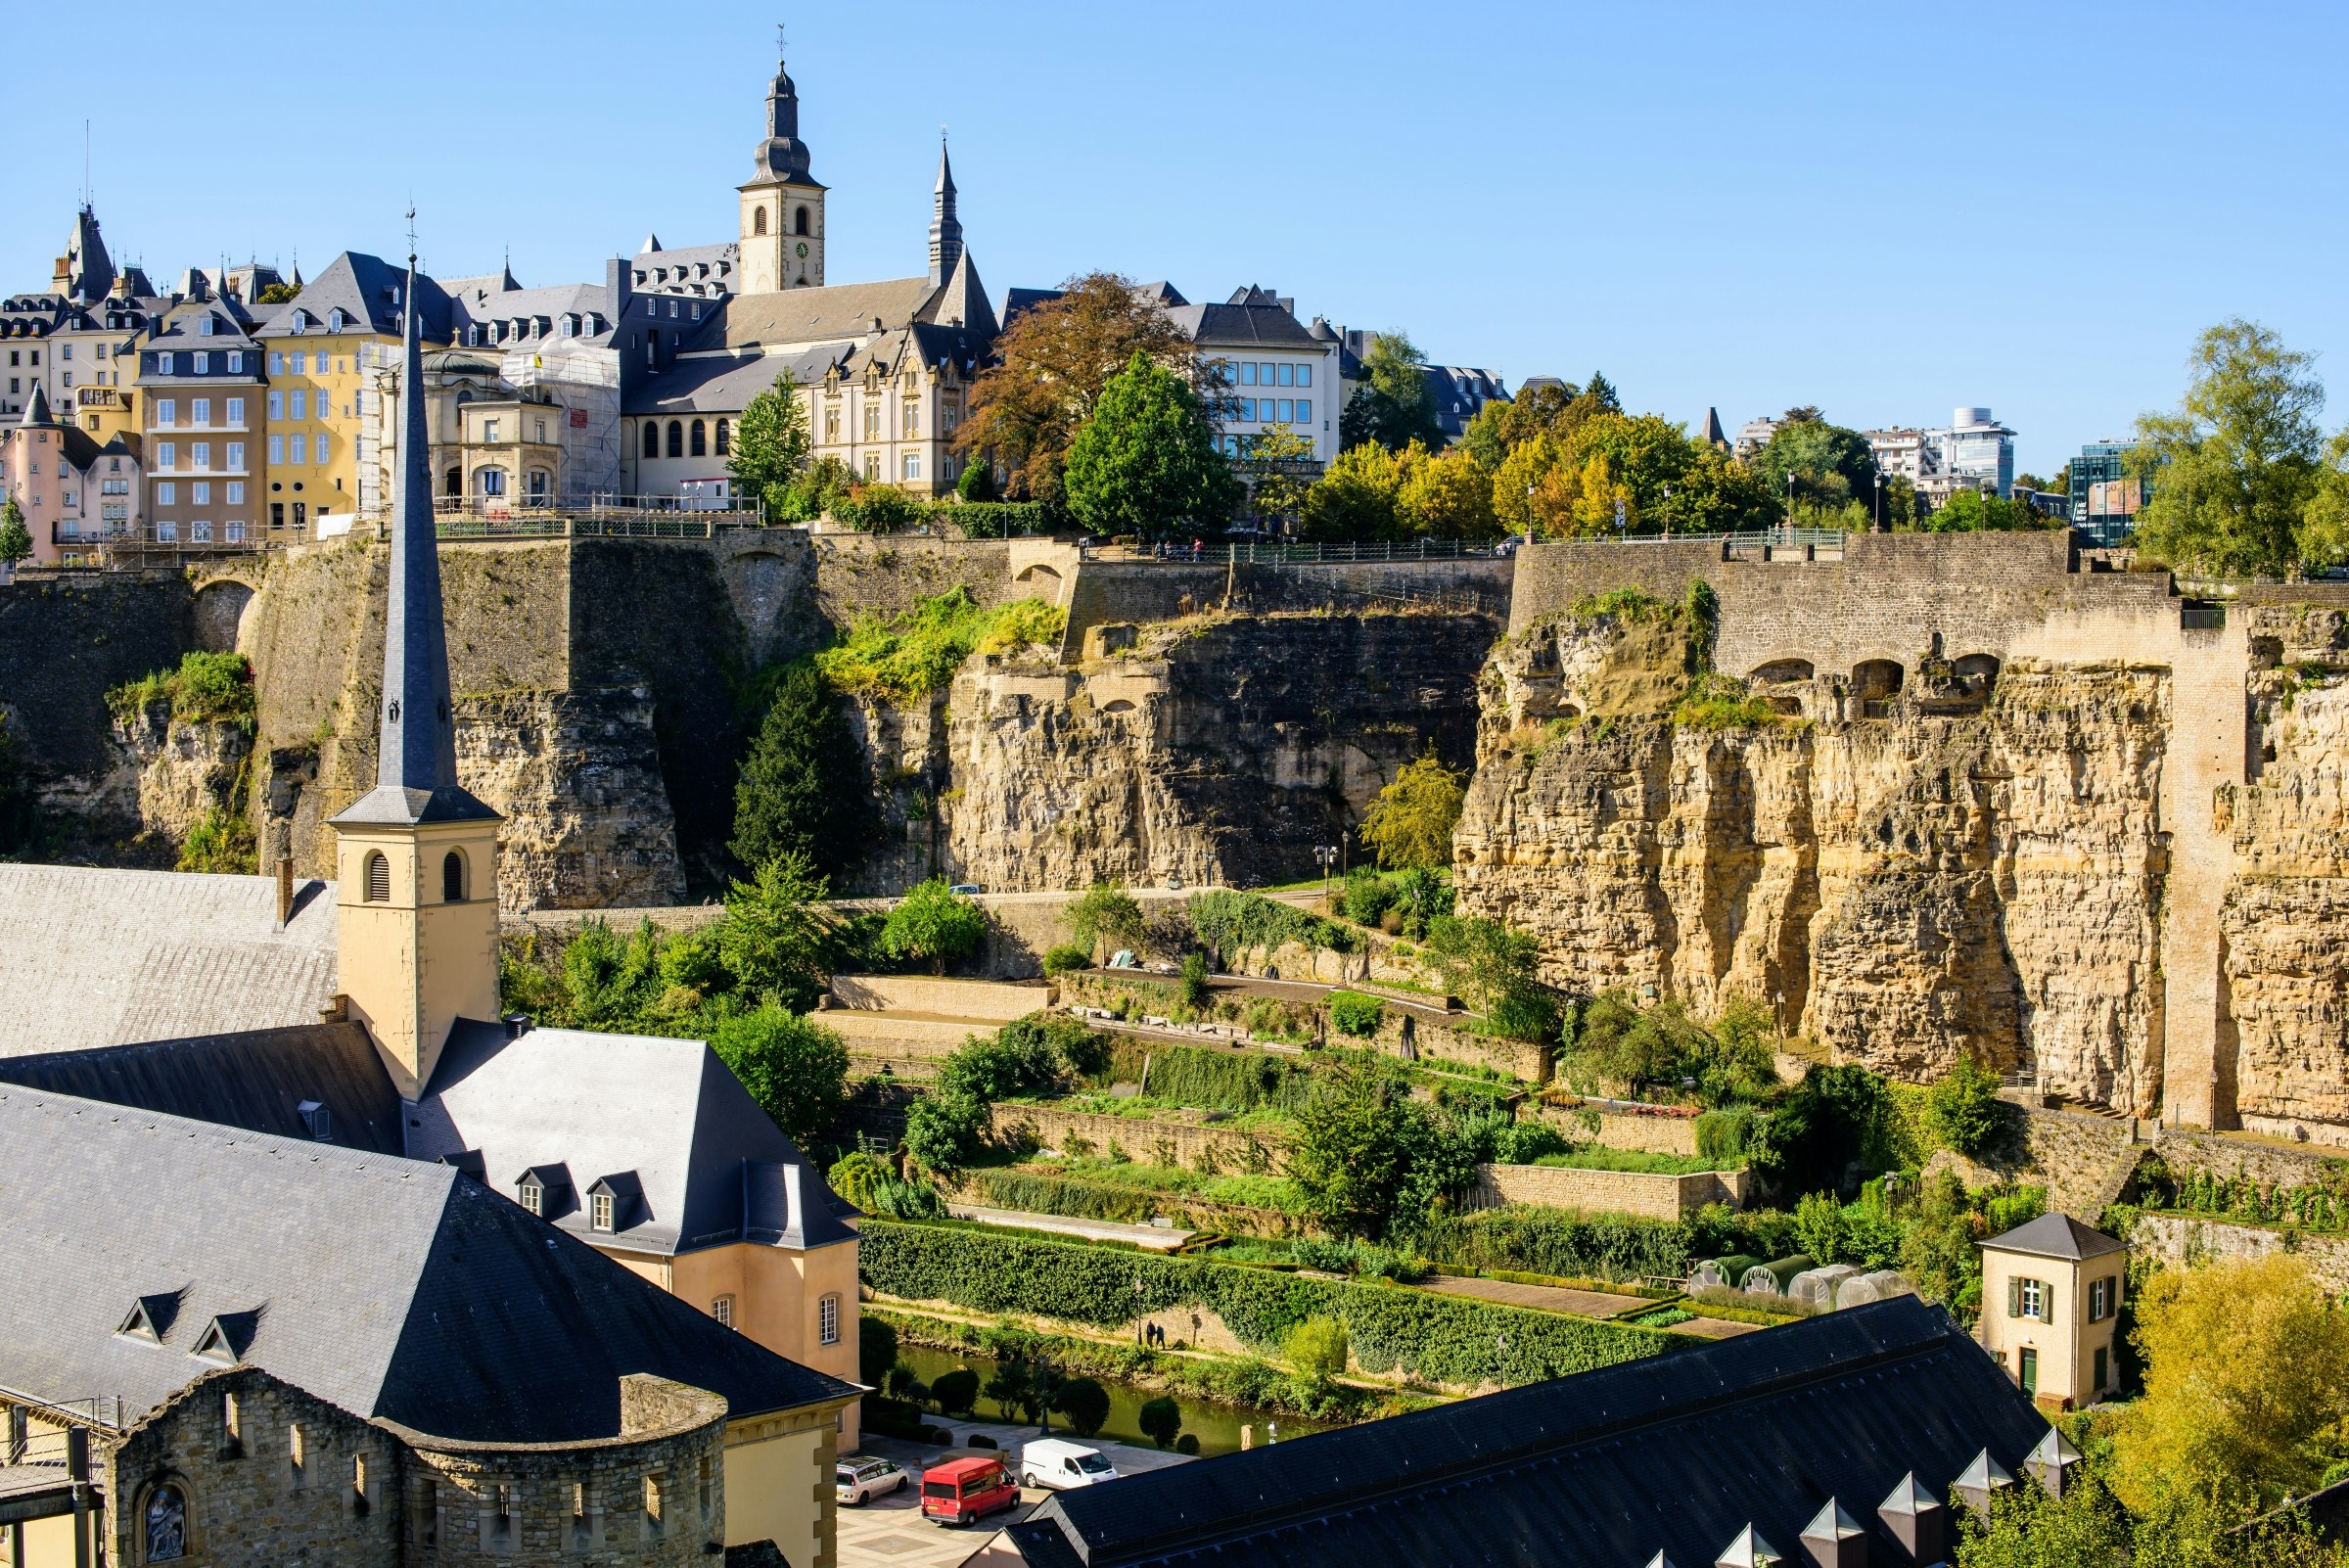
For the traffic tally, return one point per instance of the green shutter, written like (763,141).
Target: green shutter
(2047,1302)
(2015,1297)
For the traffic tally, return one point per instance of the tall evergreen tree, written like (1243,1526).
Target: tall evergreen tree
(802,788)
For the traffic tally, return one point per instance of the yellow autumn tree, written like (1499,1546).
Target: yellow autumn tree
(1446,496)
(1411,823)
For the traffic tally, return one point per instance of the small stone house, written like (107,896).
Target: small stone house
(2050,1303)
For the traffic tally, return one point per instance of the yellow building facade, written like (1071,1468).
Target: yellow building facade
(2050,1309)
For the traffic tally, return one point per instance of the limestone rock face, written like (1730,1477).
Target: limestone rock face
(1907,889)
(186,769)
(1212,752)
(578,777)
(2286,919)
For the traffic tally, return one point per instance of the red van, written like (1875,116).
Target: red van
(962,1491)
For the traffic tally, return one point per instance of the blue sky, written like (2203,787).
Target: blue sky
(1884,211)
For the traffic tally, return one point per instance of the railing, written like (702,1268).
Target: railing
(1316,554)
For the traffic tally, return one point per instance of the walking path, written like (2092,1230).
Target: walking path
(1548,1298)
(1153,1238)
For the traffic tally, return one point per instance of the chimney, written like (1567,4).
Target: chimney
(1916,1520)
(285,890)
(1836,1539)
(2051,1463)
(1982,1480)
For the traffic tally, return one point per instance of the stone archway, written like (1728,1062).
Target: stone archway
(223,607)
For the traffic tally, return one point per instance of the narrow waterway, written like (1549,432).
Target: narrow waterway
(1216,1426)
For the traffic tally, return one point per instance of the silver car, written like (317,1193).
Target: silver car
(860,1481)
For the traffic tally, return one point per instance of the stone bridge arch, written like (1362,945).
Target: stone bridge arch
(223,603)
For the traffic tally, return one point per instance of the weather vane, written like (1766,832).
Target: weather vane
(781,45)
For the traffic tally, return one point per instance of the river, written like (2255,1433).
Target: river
(1216,1426)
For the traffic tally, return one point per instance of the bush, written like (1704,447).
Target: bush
(911,655)
(1189,1442)
(1365,896)
(793,1067)
(1723,701)
(1721,1135)
(1560,1244)
(894,1199)
(934,923)
(1229,921)
(1085,1404)
(876,1351)
(205,688)
(1316,1348)
(957,1393)
(1355,1014)
(1444,1338)
(855,1175)
(1160,1419)
(1962,1109)
(221,845)
(1195,993)
(942,1134)
(1064,959)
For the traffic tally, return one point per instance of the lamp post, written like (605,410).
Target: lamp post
(1327,854)
(1879,500)
(1790,505)
(1529,514)
(1668,509)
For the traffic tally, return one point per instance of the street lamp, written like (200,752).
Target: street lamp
(1668,509)
(1790,504)
(1879,501)
(1327,854)
(1529,514)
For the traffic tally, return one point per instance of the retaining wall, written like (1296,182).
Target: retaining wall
(2181,1240)
(1150,1140)
(1633,1192)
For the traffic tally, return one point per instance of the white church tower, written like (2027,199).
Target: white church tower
(782,206)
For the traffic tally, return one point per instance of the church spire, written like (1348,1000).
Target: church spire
(782,157)
(945,229)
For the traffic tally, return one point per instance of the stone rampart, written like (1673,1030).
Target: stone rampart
(1155,1140)
(1113,592)
(986,1002)
(1637,1194)
(2183,1240)
(63,644)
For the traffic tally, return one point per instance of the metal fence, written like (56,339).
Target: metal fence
(1281,552)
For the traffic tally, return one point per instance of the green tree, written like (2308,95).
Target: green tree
(955,1392)
(277,293)
(2246,1384)
(2029,1529)
(770,444)
(1105,916)
(16,540)
(1052,365)
(1831,467)
(934,923)
(1411,823)
(2238,460)
(1962,1107)
(1351,1146)
(795,1068)
(876,1351)
(942,1134)
(1161,1420)
(855,1175)
(1317,1347)
(1393,405)
(1146,462)
(1445,496)
(803,788)
(1971,511)
(1358,497)
(1012,1386)
(976,482)
(1273,464)
(777,939)
(1500,426)
(1085,1403)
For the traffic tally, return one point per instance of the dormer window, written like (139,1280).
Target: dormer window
(301,321)
(318,1120)
(599,1210)
(224,1339)
(142,1323)
(534,1196)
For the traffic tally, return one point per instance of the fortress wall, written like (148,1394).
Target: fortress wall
(64,643)
(1110,592)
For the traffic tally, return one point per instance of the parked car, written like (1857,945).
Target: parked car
(1058,1465)
(961,1492)
(966,890)
(860,1481)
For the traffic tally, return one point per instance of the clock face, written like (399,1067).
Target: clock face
(803,250)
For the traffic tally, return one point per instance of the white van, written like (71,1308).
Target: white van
(1057,1466)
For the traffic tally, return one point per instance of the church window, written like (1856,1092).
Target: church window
(358,1484)
(700,440)
(379,878)
(798,222)
(759,221)
(725,438)
(167,1525)
(652,438)
(452,877)
(677,437)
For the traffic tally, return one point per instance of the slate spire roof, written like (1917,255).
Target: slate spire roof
(416,751)
(37,410)
(782,159)
(945,229)
(89,270)
(2057,1235)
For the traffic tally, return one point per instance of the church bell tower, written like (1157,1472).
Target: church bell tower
(416,857)
(782,204)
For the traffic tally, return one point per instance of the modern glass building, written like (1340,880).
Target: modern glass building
(2106,496)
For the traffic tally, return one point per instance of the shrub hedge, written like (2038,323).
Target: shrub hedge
(1209,1079)
(1554,1241)
(1446,1339)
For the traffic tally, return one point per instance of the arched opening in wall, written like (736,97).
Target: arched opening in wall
(759,221)
(1978,667)
(164,1525)
(798,222)
(1783,671)
(452,877)
(1874,683)
(1042,581)
(378,878)
(1118,705)
(677,437)
(699,443)
(452,483)
(725,440)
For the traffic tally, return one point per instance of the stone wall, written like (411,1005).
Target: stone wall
(2189,1241)
(1636,1193)
(1166,1139)
(986,1001)
(1116,592)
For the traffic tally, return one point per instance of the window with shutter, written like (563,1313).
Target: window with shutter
(379,878)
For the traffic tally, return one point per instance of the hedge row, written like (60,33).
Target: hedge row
(1554,1241)
(1440,1338)
(1074,1199)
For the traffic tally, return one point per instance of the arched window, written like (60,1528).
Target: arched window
(798,222)
(759,221)
(701,440)
(167,1525)
(379,878)
(454,482)
(452,877)
(652,438)
(676,439)
(724,444)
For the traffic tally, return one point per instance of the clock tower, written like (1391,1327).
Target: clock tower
(782,204)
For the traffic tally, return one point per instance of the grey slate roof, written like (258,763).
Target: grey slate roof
(842,312)
(725,383)
(1674,1454)
(685,269)
(256,1079)
(97,958)
(2057,1235)
(662,1120)
(367,288)
(394,1289)
(1253,318)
